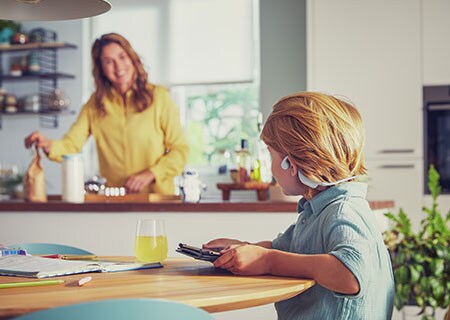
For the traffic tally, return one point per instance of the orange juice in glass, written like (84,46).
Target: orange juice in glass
(151,241)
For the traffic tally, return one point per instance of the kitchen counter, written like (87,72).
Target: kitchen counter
(109,228)
(206,205)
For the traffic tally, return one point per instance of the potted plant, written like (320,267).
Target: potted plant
(421,260)
(10,185)
(7,29)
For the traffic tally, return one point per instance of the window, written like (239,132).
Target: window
(217,117)
(214,74)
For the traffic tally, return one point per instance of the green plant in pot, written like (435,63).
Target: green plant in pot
(10,185)
(421,260)
(7,29)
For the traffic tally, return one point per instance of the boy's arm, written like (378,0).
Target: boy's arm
(325,269)
(226,242)
(264,244)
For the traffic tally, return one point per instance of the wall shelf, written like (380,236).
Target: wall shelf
(37,46)
(46,80)
(32,77)
(47,118)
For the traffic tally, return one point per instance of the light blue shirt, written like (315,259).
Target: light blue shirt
(339,221)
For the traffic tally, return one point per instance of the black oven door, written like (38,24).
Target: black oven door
(437,141)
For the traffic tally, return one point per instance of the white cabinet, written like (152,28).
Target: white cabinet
(369,51)
(398,180)
(436,46)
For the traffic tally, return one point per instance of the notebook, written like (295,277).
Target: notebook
(38,267)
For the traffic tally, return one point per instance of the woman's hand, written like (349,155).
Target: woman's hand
(222,243)
(244,260)
(139,181)
(40,141)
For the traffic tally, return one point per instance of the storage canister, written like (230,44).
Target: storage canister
(73,178)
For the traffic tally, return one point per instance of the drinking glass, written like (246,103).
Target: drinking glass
(151,241)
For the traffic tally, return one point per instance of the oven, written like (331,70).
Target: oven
(437,133)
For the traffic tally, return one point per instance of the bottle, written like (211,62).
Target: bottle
(73,178)
(244,162)
(263,162)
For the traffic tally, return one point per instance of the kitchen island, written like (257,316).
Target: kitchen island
(109,228)
(212,204)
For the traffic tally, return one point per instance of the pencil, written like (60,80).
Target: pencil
(78,257)
(29,283)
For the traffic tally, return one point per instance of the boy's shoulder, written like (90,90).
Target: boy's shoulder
(347,208)
(348,192)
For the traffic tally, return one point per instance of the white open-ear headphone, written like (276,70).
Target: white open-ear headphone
(285,164)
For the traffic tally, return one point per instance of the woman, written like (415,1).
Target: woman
(136,126)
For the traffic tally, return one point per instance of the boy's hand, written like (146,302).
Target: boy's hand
(244,260)
(222,243)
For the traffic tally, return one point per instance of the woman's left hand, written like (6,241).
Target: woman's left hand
(139,181)
(244,260)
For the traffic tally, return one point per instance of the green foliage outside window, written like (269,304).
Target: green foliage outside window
(219,117)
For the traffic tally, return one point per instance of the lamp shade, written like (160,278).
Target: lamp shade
(46,10)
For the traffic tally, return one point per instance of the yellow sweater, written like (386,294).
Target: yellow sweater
(129,141)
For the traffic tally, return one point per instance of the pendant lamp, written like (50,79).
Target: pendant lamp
(49,10)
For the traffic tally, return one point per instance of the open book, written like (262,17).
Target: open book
(38,267)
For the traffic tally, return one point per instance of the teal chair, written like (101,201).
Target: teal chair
(122,309)
(49,248)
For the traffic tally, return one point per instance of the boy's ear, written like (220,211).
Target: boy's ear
(293,168)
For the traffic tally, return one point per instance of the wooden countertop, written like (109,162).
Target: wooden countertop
(206,205)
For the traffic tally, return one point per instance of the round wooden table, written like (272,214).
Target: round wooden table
(188,281)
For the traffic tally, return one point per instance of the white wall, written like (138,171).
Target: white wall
(283,50)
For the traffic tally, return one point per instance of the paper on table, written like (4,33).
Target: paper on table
(38,267)
(113,266)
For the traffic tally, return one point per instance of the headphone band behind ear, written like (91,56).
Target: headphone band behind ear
(285,164)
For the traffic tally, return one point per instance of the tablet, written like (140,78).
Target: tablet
(198,253)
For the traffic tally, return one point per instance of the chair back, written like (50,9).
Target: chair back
(122,309)
(49,248)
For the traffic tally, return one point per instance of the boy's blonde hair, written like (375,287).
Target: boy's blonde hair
(323,135)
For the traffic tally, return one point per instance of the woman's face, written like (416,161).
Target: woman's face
(117,67)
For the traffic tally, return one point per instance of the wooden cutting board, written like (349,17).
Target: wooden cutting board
(260,188)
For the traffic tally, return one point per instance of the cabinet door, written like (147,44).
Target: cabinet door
(436,47)
(398,180)
(369,51)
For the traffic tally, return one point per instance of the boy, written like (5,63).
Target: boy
(316,143)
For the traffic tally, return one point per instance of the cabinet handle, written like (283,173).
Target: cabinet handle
(397,166)
(438,107)
(397,151)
